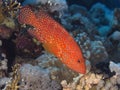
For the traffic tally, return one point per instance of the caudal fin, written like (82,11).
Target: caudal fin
(27,16)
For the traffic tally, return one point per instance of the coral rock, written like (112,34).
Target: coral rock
(36,78)
(115,67)
(58,71)
(94,51)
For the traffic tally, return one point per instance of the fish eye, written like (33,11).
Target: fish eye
(78,61)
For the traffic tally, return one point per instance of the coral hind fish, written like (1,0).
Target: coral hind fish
(54,38)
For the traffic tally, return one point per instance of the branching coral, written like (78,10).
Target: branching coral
(94,81)
(72,85)
(109,84)
(8,11)
(13,83)
(11,7)
(113,82)
(28,77)
(85,82)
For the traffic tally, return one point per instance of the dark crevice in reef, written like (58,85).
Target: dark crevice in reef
(9,49)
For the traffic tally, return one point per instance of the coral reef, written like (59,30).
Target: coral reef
(87,81)
(52,5)
(3,82)
(12,84)
(26,46)
(116,19)
(3,62)
(115,36)
(92,81)
(115,67)
(29,77)
(100,14)
(5,32)
(36,78)
(8,11)
(112,83)
(92,50)
(73,9)
(102,17)
(58,71)
(1,16)
(108,84)
(11,6)
(104,30)
(95,29)
(78,20)
(72,85)
(56,5)
(9,22)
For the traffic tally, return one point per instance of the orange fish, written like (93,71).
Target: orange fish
(54,38)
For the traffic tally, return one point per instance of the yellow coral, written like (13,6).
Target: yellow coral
(88,80)
(9,23)
(11,7)
(13,84)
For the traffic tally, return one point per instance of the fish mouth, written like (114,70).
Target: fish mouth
(83,69)
(83,72)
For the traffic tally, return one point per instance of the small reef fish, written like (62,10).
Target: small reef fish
(54,38)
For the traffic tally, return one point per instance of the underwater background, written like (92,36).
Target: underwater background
(25,62)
